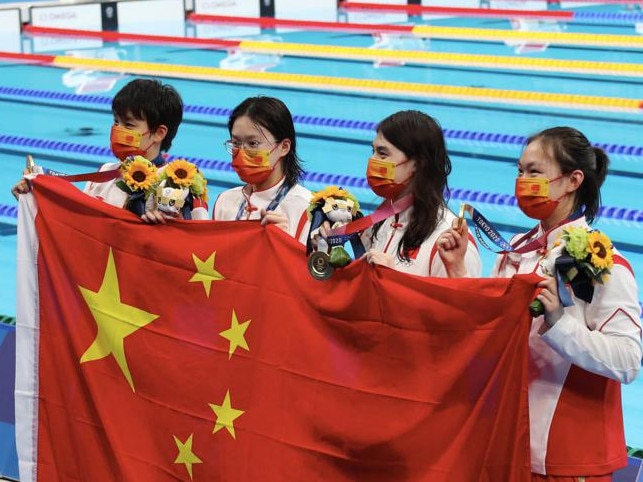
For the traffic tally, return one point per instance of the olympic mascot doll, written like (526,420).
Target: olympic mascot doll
(177,189)
(338,207)
(182,191)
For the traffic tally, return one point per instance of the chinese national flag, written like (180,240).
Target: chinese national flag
(205,351)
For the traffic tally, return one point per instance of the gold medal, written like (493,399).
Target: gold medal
(461,216)
(319,266)
(31,166)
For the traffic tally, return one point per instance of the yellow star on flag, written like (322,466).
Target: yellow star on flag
(226,415)
(115,320)
(235,334)
(205,272)
(186,456)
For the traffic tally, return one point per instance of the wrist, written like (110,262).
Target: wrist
(552,317)
(459,271)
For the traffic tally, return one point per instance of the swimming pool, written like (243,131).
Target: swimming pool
(59,111)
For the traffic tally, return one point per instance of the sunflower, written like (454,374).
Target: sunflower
(139,174)
(600,249)
(330,191)
(334,192)
(181,172)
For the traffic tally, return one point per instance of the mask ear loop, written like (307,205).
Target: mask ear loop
(405,181)
(278,160)
(395,166)
(150,145)
(562,195)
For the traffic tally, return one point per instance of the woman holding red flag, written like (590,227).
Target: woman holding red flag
(263,146)
(588,341)
(409,169)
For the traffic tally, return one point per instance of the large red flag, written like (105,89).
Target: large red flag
(205,351)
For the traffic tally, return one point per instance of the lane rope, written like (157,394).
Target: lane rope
(309,120)
(328,83)
(456,194)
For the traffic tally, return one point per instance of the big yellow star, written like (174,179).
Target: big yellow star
(114,320)
(186,456)
(235,334)
(205,272)
(226,415)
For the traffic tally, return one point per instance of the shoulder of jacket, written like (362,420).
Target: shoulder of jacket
(110,166)
(232,192)
(300,190)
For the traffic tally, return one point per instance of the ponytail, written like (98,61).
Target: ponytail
(602,161)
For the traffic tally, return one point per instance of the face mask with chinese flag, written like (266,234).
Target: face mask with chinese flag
(252,165)
(127,142)
(532,194)
(380,176)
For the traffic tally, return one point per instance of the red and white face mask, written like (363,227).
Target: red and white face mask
(381,178)
(532,194)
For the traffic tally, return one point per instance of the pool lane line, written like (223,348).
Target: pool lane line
(371,55)
(627,18)
(324,26)
(309,120)
(364,54)
(526,36)
(418,10)
(110,36)
(328,83)
(443,32)
(493,62)
(354,182)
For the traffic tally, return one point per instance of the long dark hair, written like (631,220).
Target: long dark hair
(273,115)
(420,138)
(572,150)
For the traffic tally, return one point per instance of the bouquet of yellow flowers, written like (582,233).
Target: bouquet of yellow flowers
(181,173)
(173,188)
(139,178)
(581,258)
(178,185)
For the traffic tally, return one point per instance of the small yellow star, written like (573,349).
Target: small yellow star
(115,320)
(235,334)
(226,415)
(206,273)
(186,456)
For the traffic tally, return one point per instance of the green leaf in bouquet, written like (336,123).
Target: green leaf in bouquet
(122,185)
(536,308)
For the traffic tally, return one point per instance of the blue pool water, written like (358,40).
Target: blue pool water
(63,118)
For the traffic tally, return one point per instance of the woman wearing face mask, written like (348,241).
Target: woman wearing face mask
(264,155)
(147,115)
(579,354)
(409,168)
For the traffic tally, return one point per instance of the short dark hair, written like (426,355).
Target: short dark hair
(154,102)
(273,115)
(572,150)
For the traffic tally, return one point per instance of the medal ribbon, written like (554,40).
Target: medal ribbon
(483,226)
(386,209)
(281,194)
